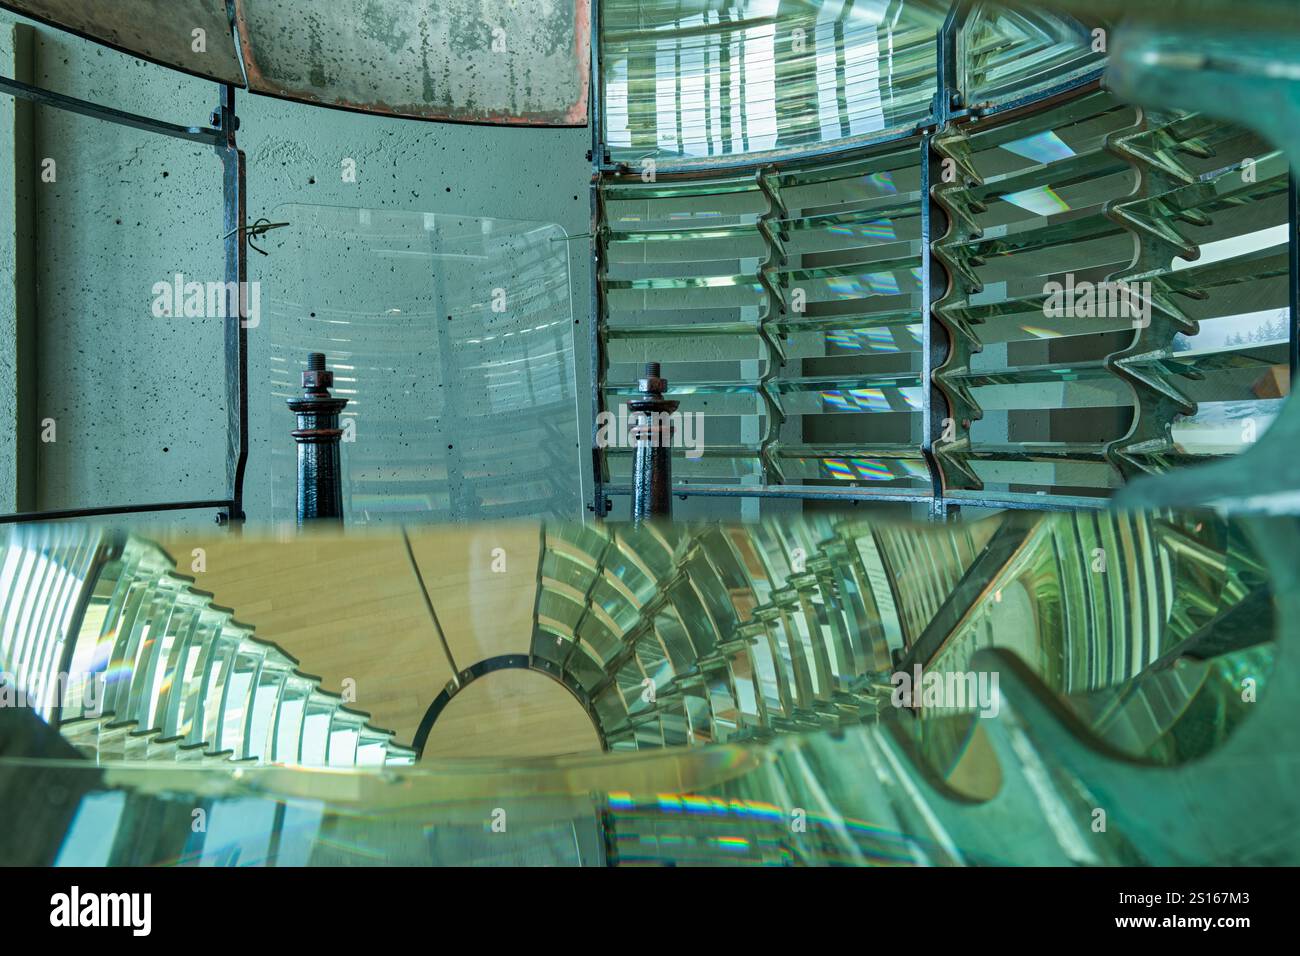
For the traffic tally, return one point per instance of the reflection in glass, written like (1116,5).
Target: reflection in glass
(109,643)
(1009,54)
(740,674)
(694,81)
(459,60)
(455,354)
(784,309)
(1062,390)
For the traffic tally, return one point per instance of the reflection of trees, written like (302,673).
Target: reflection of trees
(1266,332)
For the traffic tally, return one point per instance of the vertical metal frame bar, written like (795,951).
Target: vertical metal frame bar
(596,353)
(934,344)
(933,341)
(597,92)
(595,317)
(234,183)
(948,98)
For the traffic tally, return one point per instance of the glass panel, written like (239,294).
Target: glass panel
(43,574)
(266,697)
(793,627)
(344,733)
(1119,299)
(158,672)
(316,729)
(1010,54)
(456,356)
(164,296)
(239,833)
(293,705)
(694,81)
(784,311)
(1040,645)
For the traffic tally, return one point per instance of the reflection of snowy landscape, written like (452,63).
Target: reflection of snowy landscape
(1252,328)
(1223,428)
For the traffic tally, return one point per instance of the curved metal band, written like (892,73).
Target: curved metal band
(521,662)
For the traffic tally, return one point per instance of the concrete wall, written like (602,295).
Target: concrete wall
(138,402)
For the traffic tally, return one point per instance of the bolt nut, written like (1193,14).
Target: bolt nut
(316,380)
(653,386)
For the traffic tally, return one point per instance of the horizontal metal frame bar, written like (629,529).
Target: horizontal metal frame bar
(113,510)
(752,161)
(783,491)
(1032,101)
(195,134)
(1024,501)
(1009,501)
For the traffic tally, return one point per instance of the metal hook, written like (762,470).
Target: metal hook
(259,228)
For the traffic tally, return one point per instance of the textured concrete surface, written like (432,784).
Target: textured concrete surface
(138,400)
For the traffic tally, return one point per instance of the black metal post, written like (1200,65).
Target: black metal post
(320,473)
(652,430)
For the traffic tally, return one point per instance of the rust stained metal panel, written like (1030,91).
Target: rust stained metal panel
(518,62)
(162,31)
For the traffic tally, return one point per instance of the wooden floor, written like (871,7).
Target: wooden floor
(348,606)
(512,713)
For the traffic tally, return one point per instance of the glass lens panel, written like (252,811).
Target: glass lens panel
(1118,301)
(456,357)
(784,311)
(989,670)
(696,81)
(1008,54)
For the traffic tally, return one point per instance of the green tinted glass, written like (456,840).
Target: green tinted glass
(695,81)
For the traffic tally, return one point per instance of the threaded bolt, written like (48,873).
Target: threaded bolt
(652,370)
(316,378)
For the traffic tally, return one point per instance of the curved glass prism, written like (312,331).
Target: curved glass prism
(1129,662)
(1007,54)
(692,82)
